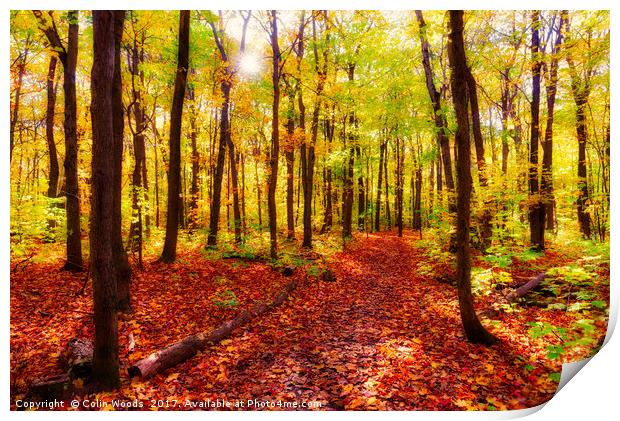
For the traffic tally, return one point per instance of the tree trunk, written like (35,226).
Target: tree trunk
(536,212)
(382,147)
(473,328)
(440,119)
(54,172)
(102,269)
(121,262)
(361,197)
(289,153)
(15,106)
(174,167)
(547,162)
(275,139)
(194,191)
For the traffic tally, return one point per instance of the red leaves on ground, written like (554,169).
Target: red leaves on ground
(383,336)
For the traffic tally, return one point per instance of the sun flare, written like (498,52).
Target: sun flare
(250,64)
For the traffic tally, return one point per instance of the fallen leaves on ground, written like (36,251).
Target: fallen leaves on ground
(384,336)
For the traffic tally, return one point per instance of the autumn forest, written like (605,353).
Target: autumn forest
(306,210)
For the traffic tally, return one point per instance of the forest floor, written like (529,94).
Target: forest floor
(385,335)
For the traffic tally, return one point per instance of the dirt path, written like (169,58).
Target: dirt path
(380,337)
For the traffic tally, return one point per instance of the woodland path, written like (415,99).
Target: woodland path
(381,337)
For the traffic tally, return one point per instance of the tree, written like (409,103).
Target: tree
(581,87)
(121,262)
(54,172)
(551,82)
(103,271)
(536,213)
(439,116)
(67,55)
(176,115)
(275,136)
(458,81)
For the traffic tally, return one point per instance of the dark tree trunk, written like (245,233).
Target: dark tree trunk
(361,197)
(441,124)
(234,178)
(74,243)
(52,189)
(329,212)
(194,191)
(580,86)
(224,129)
(174,167)
(473,328)
(275,140)
(137,180)
(388,214)
(484,221)
(289,153)
(400,180)
(382,148)
(121,262)
(547,163)
(21,71)
(102,269)
(536,212)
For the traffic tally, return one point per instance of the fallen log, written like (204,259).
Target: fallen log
(515,294)
(54,387)
(77,357)
(188,347)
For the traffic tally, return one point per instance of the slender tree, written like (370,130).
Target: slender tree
(536,212)
(67,54)
(176,115)
(441,124)
(580,87)
(275,139)
(459,74)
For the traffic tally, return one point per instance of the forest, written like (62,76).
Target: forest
(306,210)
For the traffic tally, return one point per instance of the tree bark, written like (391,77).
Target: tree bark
(473,328)
(275,139)
(102,269)
(68,57)
(547,163)
(121,262)
(176,115)
(441,124)
(536,212)
(54,172)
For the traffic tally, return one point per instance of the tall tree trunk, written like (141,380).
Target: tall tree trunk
(54,172)
(121,262)
(102,269)
(399,173)
(547,163)
(361,197)
(486,217)
(329,212)
(275,139)
(174,167)
(473,328)
(536,212)
(580,86)
(224,129)
(21,71)
(194,191)
(382,148)
(439,116)
(289,153)
(74,243)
